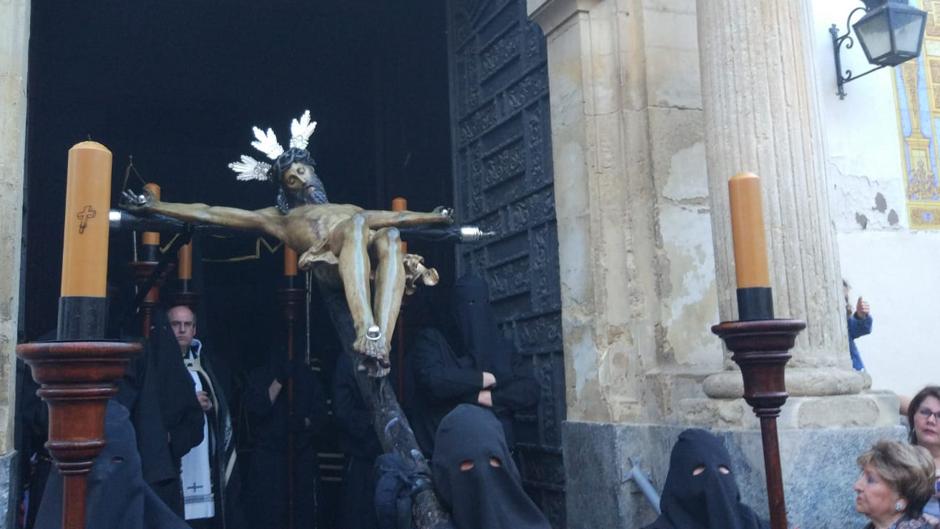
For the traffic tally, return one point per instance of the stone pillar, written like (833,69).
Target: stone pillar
(605,232)
(14,43)
(761,115)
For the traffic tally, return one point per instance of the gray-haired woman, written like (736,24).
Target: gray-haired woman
(896,481)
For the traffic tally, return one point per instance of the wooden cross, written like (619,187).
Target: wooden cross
(87,213)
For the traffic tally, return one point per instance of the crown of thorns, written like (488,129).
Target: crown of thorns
(247,168)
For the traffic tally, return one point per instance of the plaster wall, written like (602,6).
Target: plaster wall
(885,261)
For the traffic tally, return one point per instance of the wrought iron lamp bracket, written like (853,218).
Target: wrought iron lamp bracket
(846,38)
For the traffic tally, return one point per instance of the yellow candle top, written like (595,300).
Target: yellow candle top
(747,229)
(87,202)
(185,258)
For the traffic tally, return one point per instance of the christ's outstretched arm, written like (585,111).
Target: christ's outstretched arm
(267,220)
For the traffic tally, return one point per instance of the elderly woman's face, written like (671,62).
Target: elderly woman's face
(873,496)
(926,425)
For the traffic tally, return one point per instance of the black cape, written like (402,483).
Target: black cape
(489,495)
(117,497)
(447,376)
(266,492)
(161,397)
(708,500)
(226,480)
(360,445)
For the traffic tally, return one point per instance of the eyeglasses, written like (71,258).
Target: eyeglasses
(926,414)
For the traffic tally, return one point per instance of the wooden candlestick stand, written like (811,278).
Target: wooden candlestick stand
(761,348)
(77,380)
(291,301)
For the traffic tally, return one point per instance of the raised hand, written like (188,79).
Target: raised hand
(862,308)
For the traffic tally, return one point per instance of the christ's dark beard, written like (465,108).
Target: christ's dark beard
(315,193)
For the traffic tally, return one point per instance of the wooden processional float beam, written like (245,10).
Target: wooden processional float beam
(78,372)
(760,343)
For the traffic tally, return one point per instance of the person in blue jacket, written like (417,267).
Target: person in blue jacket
(859,323)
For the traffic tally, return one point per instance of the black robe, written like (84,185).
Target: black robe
(167,417)
(32,417)
(447,376)
(117,496)
(476,477)
(706,500)
(226,479)
(266,486)
(360,445)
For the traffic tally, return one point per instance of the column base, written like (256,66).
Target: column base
(818,471)
(801,382)
(863,410)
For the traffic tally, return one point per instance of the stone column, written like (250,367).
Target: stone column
(14,42)
(761,115)
(605,229)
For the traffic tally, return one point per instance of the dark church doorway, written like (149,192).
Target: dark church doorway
(440,102)
(177,85)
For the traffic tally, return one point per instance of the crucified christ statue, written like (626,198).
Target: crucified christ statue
(341,234)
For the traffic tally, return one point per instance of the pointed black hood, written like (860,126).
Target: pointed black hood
(488,494)
(476,326)
(706,500)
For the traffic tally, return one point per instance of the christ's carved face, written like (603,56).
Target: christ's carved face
(298,177)
(300,185)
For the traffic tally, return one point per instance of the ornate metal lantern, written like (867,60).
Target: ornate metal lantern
(890,31)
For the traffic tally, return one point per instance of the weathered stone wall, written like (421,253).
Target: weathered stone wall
(638,214)
(637,273)
(14,41)
(818,471)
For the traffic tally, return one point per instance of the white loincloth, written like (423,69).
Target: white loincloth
(197,474)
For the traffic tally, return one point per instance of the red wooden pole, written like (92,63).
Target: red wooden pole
(762,349)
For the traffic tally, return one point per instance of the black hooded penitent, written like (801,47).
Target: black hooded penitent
(475,476)
(447,376)
(476,324)
(708,499)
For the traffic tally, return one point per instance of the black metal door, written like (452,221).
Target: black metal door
(503,169)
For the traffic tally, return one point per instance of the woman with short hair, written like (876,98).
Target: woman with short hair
(896,481)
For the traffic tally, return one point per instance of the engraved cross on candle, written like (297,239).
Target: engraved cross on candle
(87,213)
